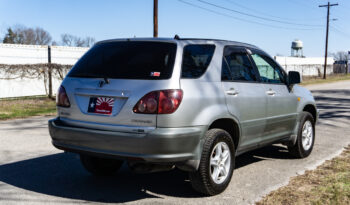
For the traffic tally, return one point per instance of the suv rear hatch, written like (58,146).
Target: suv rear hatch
(109,80)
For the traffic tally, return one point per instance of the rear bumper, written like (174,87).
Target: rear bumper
(160,145)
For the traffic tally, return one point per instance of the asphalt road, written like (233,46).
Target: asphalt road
(32,171)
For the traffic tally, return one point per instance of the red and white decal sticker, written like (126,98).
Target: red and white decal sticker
(101,105)
(155,74)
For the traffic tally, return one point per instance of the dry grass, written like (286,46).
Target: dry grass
(329,79)
(26,107)
(328,184)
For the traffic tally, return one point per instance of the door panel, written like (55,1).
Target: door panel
(249,106)
(281,103)
(245,97)
(281,111)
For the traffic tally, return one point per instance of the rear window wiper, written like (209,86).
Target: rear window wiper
(106,80)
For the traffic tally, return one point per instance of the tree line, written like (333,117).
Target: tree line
(340,56)
(39,36)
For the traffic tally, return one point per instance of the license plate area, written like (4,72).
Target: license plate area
(101,105)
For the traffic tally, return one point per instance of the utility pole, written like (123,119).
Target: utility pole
(155,18)
(347,63)
(327,29)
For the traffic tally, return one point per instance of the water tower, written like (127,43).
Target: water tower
(297,48)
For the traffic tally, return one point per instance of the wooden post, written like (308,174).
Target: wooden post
(49,71)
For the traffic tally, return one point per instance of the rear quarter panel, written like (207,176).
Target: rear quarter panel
(203,98)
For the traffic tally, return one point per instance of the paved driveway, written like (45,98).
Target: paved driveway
(33,172)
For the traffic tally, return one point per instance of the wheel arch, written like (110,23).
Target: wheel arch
(229,125)
(312,110)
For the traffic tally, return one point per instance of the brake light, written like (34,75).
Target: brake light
(62,98)
(159,102)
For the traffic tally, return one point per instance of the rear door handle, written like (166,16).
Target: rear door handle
(271,92)
(232,91)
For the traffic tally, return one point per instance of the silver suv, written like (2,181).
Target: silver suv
(194,104)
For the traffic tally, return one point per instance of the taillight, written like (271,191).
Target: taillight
(159,102)
(62,98)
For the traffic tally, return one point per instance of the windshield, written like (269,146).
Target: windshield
(127,60)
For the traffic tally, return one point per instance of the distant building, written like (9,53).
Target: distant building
(306,66)
(341,66)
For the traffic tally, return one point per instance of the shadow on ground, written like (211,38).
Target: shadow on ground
(62,175)
(333,103)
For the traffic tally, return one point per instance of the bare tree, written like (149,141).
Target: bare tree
(70,40)
(79,42)
(67,39)
(29,36)
(340,56)
(19,35)
(42,36)
(23,35)
(89,41)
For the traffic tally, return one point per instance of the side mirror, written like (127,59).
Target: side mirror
(293,77)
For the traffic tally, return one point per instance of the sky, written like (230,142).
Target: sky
(269,24)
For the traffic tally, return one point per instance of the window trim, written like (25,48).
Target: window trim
(240,49)
(183,54)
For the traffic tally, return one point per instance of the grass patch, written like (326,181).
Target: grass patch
(26,107)
(329,79)
(328,184)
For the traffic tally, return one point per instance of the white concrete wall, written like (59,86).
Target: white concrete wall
(306,66)
(33,54)
(25,87)
(66,55)
(22,54)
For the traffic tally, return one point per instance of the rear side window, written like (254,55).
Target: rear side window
(196,59)
(237,66)
(127,60)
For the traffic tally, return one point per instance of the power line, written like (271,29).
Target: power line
(339,27)
(255,16)
(266,14)
(339,31)
(305,3)
(244,20)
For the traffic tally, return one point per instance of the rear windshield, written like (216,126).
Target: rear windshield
(127,60)
(196,59)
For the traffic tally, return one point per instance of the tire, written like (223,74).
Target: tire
(203,180)
(100,166)
(302,149)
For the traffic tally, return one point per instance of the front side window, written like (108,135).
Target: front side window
(196,59)
(237,66)
(269,71)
